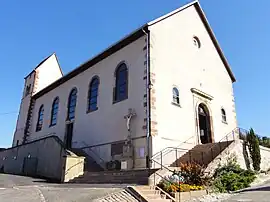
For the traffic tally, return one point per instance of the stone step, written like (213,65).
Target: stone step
(118,197)
(152,196)
(159,200)
(202,154)
(115,177)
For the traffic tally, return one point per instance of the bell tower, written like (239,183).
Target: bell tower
(44,74)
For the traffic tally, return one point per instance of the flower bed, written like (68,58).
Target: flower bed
(189,178)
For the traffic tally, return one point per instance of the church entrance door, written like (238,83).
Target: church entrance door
(204,124)
(69,134)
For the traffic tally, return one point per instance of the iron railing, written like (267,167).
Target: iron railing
(170,156)
(89,151)
(205,157)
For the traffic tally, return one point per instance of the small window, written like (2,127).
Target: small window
(196,42)
(121,83)
(72,104)
(40,118)
(93,94)
(223,114)
(54,112)
(27,90)
(176,99)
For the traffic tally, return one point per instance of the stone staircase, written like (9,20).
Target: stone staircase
(202,154)
(90,164)
(121,196)
(152,194)
(139,177)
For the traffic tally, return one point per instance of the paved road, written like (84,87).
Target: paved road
(25,189)
(258,194)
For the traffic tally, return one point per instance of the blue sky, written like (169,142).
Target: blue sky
(77,30)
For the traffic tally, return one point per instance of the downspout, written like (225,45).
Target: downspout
(148,97)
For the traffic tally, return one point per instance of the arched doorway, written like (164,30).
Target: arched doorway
(204,124)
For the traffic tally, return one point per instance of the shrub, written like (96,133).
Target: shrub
(174,187)
(192,173)
(254,149)
(231,177)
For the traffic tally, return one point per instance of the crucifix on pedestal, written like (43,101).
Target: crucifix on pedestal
(128,149)
(128,118)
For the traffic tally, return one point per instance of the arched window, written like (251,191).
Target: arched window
(40,118)
(223,115)
(121,83)
(176,99)
(72,104)
(54,112)
(93,94)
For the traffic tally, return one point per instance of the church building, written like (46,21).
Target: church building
(167,84)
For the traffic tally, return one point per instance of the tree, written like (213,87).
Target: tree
(254,149)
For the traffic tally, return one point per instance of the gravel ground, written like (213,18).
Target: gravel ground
(259,192)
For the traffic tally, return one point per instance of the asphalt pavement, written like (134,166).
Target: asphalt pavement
(26,189)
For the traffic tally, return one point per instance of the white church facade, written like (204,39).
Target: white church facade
(166,84)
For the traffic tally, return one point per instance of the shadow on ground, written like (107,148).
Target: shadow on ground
(264,188)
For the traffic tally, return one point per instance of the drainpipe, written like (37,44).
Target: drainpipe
(148,94)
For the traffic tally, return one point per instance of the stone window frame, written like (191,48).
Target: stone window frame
(196,42)
(116,80)
(54,111)
(177,96)
(89,96)
(40,118)
(69,106)
(223,115)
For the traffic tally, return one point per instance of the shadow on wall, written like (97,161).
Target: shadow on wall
(246,155)
(39,158)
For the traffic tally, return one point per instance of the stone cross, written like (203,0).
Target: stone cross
(128,118)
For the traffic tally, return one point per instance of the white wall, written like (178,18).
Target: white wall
(47,73)
(25,102)
(107,123)
(177,62)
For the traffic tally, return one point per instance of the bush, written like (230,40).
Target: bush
(231,177)
(175,187)
(189,178)
(192,173)
(254,149)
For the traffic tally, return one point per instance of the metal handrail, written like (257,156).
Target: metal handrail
(163,150)
(161,190)
(176,149)
(162,166)
(90,149)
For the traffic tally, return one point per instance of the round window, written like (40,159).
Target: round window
(196,42)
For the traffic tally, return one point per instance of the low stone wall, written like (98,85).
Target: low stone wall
(74,167)
(242,154)
(265,158)
(188,196)
(41,158)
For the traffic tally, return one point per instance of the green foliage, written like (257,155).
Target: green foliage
(264,141)
(254,149)
(172,187)
(189,178)
(230,177)
(192,173)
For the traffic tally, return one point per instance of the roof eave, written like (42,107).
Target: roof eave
(214,39)
(104,54)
